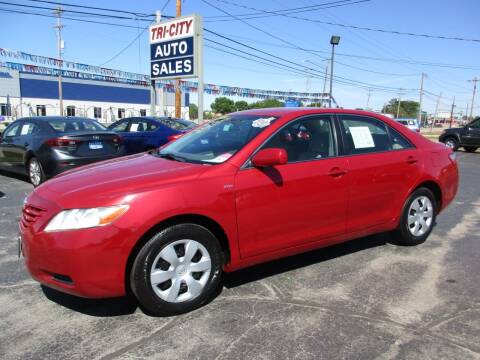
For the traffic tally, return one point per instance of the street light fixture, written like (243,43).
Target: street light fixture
(334,40)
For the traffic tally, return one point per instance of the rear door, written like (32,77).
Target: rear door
(302,201)
(136,137)
(382,165)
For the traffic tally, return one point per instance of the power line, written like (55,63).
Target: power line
(89,7)
(441,37)
(258,15)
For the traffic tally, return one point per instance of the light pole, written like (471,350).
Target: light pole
(334,40)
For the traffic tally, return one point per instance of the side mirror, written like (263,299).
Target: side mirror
(270,157)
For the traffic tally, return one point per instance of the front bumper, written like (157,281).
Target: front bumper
(88,263)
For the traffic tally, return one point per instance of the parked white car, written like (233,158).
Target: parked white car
(412,124)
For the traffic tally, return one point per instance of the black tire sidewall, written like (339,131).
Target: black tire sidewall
(403,234)
(140,273)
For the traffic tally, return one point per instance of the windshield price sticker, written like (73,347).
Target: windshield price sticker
(362,137)
(262,122)
(220,158)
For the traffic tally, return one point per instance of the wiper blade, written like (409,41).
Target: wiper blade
(170,156)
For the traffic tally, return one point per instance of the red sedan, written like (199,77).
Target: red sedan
(244,189)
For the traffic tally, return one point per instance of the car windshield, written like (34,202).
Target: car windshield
(177,124)
(216,141)
(68,125)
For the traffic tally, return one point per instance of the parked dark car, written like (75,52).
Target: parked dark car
(148,132)
(45,146)
(467,137)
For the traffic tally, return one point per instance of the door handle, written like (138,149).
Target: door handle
(337,172)
(412,160)
(26,144)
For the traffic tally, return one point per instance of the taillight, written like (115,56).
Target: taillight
(58,142)
(117,140)
(174,137)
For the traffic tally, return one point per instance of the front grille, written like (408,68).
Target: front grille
(30,214)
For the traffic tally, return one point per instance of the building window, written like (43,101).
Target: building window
(97,112)
(143,112)
(71,110)
(5,110)
(41,110)
(121,113)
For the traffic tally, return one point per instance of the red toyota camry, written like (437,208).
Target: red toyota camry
(240,190)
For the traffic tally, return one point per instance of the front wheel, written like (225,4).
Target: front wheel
(418,218)
(36,174)
(451,143)
(470,149)
(177,270)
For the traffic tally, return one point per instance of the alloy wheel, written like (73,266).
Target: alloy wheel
(180,271)
(450,144)
(420,216)
(35,172)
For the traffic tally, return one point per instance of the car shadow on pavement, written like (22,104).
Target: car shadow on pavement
(265,270)
(15,176)
(94,307)
(128,304)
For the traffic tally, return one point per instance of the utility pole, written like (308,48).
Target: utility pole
(451,112)
(421,98)
(436,112)
(368,98)
(399,101)
(334,40)
(59,27)
(178,92)
(326,77)
(474,80)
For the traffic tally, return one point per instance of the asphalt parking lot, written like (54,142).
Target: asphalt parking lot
(366,299)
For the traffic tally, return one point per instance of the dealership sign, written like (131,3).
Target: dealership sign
(174,48)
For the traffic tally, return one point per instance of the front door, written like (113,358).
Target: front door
(471,134)
(302,201)
(9,154)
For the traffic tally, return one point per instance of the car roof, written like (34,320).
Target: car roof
(56,118)
(283,111)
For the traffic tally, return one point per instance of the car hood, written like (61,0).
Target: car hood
(121,176)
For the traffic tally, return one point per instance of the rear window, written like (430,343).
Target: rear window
(177,124)
(68,126)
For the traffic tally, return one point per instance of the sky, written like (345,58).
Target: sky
(304,42)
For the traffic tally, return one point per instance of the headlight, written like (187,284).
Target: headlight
(86,218)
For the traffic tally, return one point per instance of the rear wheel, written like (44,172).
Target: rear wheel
(470,148)
(451,142)
(418,218)
(177,270)
(35,172)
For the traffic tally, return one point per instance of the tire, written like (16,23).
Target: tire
(36,175)
(451,142)
(162,279)
(470,149)
(421,200)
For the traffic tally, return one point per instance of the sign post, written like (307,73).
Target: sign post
(176,52)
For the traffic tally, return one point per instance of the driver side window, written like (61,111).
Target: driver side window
(475,124)
(307,139)
(121,126)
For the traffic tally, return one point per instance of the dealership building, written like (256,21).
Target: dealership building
(29,94)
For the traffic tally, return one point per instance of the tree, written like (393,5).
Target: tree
(223,105)
(267,103)
(408,108)
(193,111)
(241,105)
